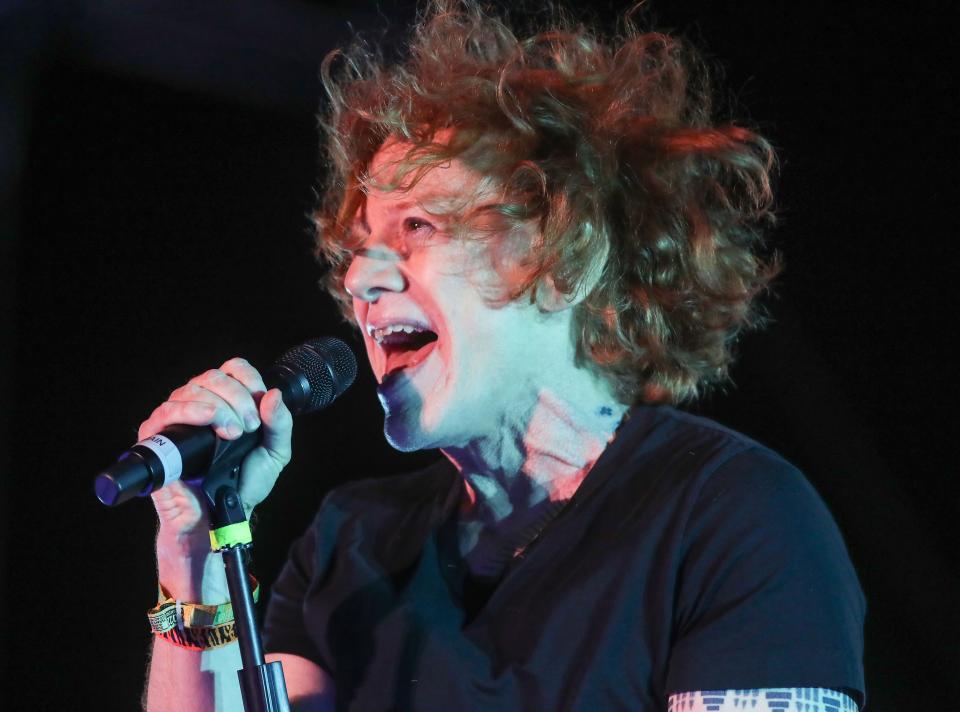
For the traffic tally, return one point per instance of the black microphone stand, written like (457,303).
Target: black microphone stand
(261,684)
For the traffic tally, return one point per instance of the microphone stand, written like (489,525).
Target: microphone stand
(261,684)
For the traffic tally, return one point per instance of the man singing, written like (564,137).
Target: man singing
(545,242)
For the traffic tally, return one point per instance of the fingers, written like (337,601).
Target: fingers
(176,504)
(231,390)
(241,370)
(186,412)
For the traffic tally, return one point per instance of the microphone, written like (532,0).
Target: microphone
(310,377)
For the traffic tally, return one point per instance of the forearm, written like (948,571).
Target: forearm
(232,399)
(183,680)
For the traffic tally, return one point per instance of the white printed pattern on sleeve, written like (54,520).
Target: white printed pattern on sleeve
(778,699)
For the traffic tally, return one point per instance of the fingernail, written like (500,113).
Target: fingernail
(252,421)
(234,430)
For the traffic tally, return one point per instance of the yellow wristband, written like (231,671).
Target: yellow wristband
(230,535)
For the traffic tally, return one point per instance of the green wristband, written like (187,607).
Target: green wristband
(230,535)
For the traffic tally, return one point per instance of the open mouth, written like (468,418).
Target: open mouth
(405,347)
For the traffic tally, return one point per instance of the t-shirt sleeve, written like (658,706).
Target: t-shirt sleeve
(766,593)
(285,630)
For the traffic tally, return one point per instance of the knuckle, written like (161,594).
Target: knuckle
(211,374)
(202,409)
(160,416)
(185,392)
(236,362)
(227,417)
(193,391)
(246,374)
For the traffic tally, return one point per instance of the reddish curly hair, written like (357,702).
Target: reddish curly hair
(650,217)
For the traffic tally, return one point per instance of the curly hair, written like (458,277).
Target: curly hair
(650,216)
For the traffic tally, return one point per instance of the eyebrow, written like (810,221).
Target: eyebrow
(361,220)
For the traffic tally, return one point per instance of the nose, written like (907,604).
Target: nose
(372,272)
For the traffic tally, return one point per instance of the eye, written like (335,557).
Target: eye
(418,225)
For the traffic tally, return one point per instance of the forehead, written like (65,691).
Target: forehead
(450,186)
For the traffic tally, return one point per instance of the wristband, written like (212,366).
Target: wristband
(203,638)
(170,614)
(230,535)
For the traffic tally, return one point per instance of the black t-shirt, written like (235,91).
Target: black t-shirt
(690,558)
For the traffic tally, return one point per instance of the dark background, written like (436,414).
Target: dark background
(158,160)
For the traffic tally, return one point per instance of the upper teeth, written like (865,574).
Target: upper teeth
(379,334)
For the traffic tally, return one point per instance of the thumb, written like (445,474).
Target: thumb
(277,427)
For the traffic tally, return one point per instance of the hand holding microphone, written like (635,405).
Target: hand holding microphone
(232,402)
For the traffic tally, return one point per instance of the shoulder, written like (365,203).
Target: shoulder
(767,595)
(667,429)
(717,495)
(740,486)
(684,459)
(743,499)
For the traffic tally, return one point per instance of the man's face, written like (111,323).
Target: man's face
(451,363)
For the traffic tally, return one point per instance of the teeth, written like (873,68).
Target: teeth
(379,334)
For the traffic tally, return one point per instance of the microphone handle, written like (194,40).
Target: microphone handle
(176,452)
(183,451)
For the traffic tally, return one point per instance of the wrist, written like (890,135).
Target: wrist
(195,626)
(189,571)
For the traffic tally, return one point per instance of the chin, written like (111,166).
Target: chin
(403,415)
(402,437)
(405,432)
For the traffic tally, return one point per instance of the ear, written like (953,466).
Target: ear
(551,299)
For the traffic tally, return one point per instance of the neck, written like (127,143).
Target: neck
(539,455)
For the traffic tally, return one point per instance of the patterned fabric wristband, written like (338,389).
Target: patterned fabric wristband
(171,614)
(203,638)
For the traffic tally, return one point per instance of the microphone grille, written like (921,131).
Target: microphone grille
(328,365)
